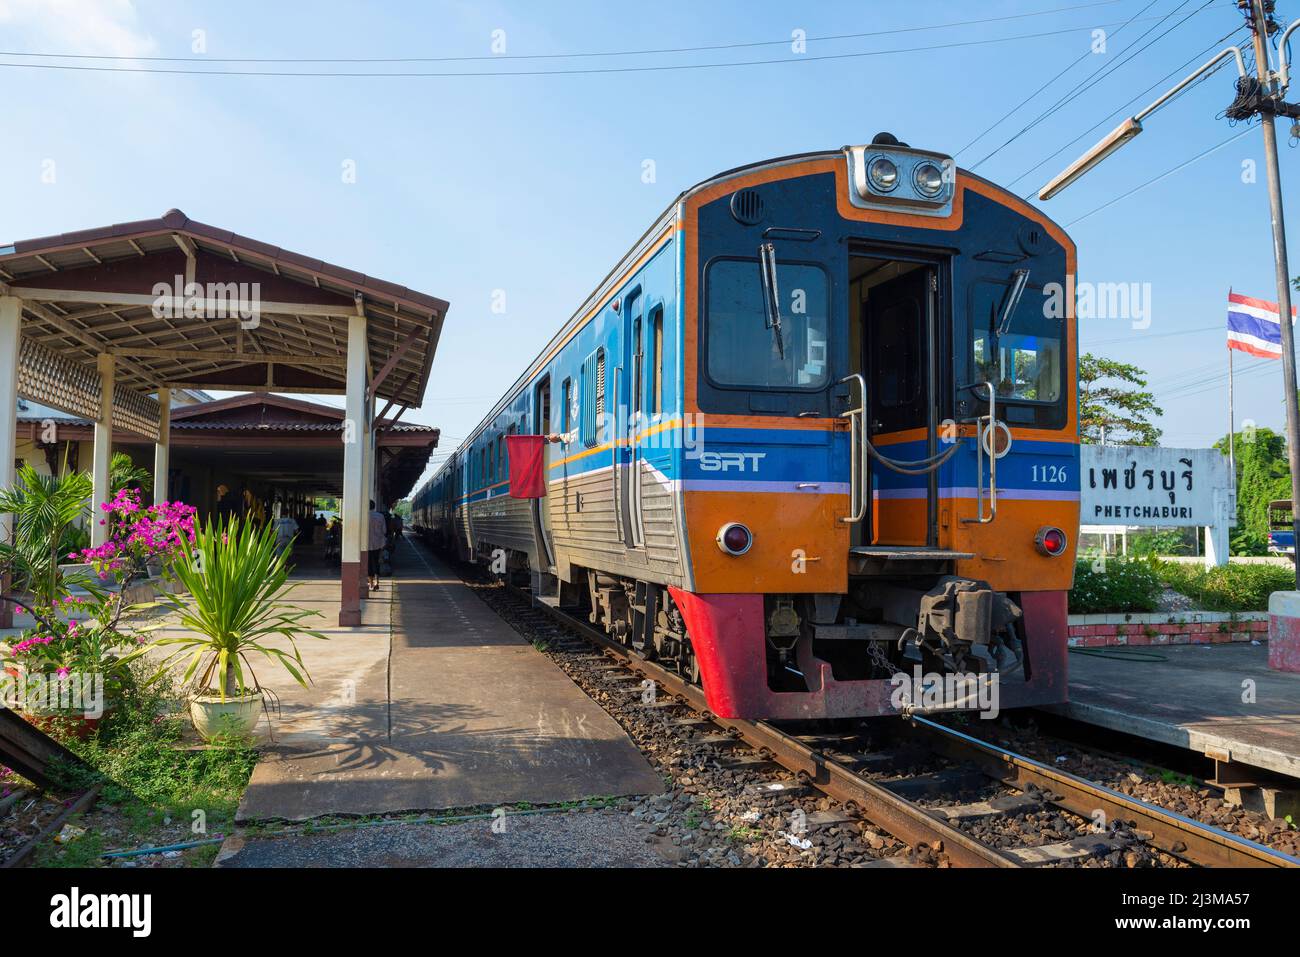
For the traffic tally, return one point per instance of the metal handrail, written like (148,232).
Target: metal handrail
(614,469)
(992,419)
(857,465)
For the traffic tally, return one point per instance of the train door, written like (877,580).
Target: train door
(541,513)
(628,432)
(896,318)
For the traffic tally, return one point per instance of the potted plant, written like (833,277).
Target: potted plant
(237,581)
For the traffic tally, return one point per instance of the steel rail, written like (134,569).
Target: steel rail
(1172,833)
(904,820)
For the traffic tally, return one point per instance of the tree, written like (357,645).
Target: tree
(1262,477)
(1112,401)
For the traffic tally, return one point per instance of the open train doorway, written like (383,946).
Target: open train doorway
(895,345)
(541,513)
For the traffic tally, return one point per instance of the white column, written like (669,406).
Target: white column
(162,448)
(354,484)
(11,320)
(103,450)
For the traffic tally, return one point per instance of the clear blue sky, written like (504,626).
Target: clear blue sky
(533,185)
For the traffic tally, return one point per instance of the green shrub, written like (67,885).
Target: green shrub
(1118,584)
(1228,587)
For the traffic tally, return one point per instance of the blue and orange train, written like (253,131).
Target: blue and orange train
(817,428)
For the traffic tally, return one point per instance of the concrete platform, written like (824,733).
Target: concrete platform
(433,703)
(1195,698)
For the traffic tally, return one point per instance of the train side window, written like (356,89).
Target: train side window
(566,398)
(593,397)
(655,373)
(501,456)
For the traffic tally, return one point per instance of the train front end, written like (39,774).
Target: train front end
(880,484)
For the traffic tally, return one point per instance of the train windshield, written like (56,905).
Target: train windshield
(743,351)
(1019,354)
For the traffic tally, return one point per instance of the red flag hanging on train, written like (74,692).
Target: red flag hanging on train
(527,465)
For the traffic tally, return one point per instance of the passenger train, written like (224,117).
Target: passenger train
(817,429)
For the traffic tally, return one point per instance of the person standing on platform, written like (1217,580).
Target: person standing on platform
(375,543)
(226,508)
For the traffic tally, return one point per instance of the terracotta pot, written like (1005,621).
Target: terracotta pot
(235,716)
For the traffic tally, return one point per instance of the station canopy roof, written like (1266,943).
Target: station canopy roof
(238,314)
(269,438)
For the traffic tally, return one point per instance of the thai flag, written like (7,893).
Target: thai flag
(1254,327)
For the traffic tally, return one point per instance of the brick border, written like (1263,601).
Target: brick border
(1165,628)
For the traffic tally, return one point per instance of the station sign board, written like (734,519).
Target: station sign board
(1153,486)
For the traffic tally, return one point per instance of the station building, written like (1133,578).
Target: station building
(111,337)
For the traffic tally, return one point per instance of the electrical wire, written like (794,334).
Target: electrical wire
(585,71)
(1139,98)
(1070,66)
(1103,72)
(565,56)
(1153,335)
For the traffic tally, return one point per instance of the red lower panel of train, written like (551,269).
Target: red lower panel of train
(727,632)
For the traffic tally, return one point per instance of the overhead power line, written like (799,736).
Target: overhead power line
(576,71)
(1070,66)
(567,56)
(1103,71)
(1177,71)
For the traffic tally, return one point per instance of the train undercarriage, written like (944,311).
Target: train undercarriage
(837,655)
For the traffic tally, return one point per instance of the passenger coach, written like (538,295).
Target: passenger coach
(817,427)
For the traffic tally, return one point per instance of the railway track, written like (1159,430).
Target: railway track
(969,812)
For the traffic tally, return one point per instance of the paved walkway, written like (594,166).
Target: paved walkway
(434,702)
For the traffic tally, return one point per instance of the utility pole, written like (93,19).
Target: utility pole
(1268,104)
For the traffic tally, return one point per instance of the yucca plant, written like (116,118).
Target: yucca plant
(237,581)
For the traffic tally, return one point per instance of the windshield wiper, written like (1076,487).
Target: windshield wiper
(771,295)
(1019,279)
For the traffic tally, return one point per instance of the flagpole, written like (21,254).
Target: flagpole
(1232,418)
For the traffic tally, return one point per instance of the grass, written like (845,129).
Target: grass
(152,788)
(1174,777)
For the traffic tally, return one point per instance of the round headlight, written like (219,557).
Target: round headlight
(928,179)
(734,538)
(883,174)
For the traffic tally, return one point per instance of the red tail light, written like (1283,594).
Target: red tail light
(734,538)
(1051,541)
